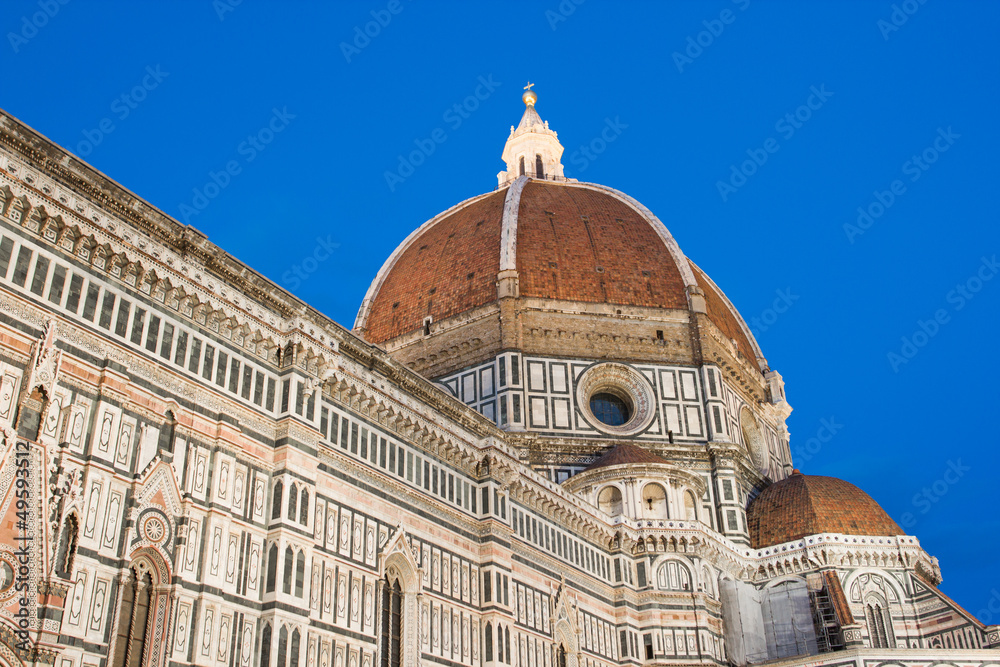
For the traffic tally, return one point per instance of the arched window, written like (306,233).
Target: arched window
(276,503)
(392,620)
(29,418)
(283,647)
(125,611)
(499,643)
(690,507)
(610,500)
(304,508)
(706,581)
(522,165)
(272,568)
(293,498)
(265,646)
(133,621)
(289,564)
(654,502)
(539,170)
(300,573)
(166,440)
(489,642)
(673,576)
(879,624)
(67,547)
(293,660)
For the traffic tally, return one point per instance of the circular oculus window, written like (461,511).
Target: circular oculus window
(615,398)
(610,408)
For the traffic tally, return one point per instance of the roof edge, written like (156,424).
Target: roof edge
(157,225)
(739,318)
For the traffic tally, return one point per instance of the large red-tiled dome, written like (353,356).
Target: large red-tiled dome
(801,505)
(567,241)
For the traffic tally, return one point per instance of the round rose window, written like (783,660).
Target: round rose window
(615,398)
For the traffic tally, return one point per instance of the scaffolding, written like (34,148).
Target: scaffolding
(828,634)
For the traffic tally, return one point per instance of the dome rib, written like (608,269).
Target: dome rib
(726,317)
(668,240)
(508,231)
(508,261)
(575,252)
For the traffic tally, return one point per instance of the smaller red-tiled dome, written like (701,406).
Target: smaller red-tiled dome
(801,505)
(625,453)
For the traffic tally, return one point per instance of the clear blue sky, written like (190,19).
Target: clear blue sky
(686,113)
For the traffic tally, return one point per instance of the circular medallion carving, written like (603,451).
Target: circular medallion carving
(622,387)
(153,528)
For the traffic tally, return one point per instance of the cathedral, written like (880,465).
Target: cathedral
(549,440)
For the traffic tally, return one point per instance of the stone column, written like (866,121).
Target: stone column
(631,499)
(379,588)
(168,630)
